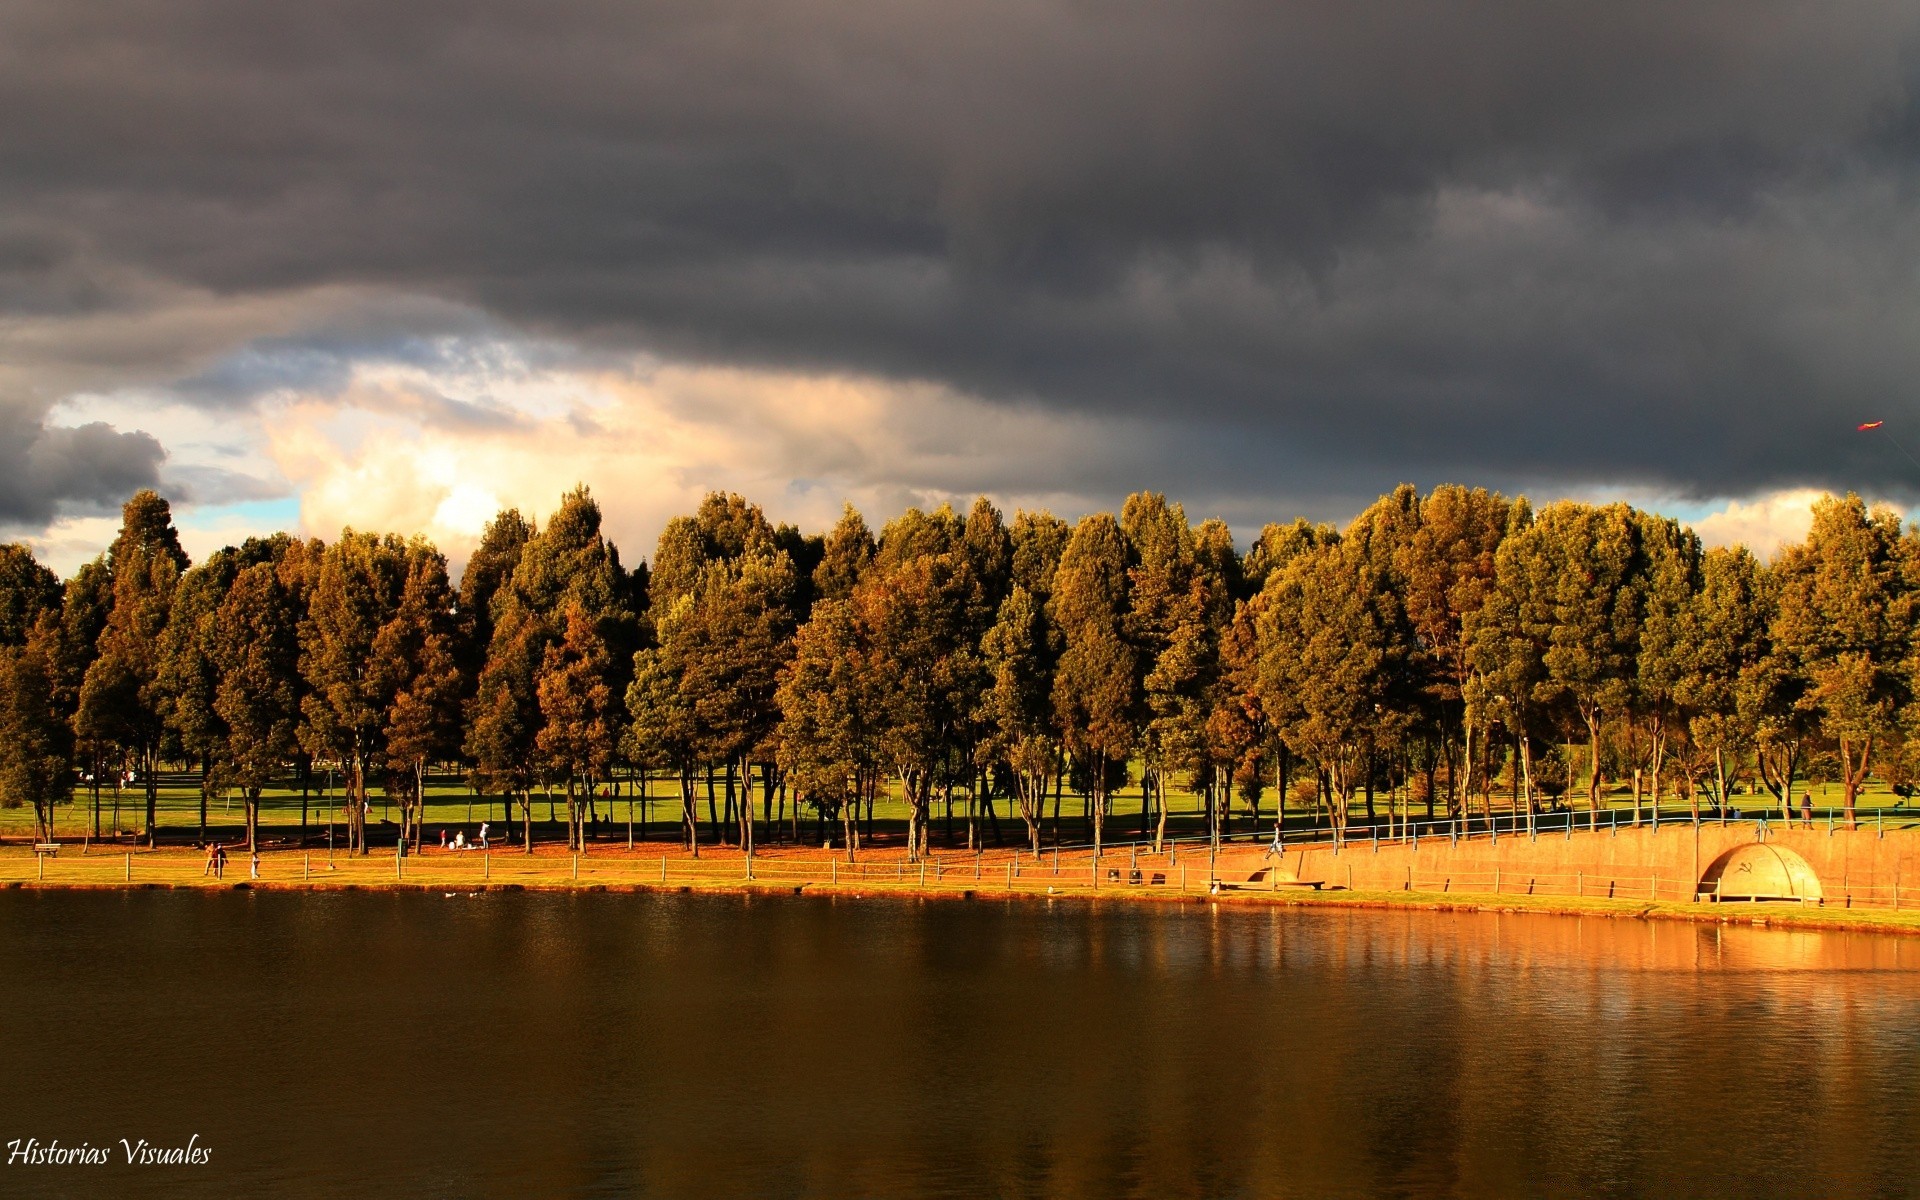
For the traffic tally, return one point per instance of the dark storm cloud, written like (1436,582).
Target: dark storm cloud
(1669,244)
(87,468)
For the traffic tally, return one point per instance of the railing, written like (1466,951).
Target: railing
(1563,822)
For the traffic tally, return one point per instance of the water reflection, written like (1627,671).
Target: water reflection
(691,1046)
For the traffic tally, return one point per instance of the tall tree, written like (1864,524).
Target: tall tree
(26,590)
(832,715)
(36,746)
(189,671)
(1846,616)
(1723,638)
(1447,569)
(1326,662)
(1095,689)
(848,551)
(1016,709)
(121,702)
(418,682)
(580,732)
(568,562)
(257,652)
(344,712)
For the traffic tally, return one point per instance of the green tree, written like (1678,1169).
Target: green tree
(832,713)
(257,652)
(1325,663)
(36,746)
(579,733)
(1095,688)
(1845,614)
(27,589)
(416,676)
(1723,638)
(343,712)
(849,550)
(1016,709)
(121,702)
(189,672)
(1447,569)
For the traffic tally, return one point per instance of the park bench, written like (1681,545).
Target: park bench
(46,847)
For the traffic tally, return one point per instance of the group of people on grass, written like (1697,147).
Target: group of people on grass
(460,842)
(217,862)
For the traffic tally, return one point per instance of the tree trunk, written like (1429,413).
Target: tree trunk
(1593,771)
(1851,776)
(689,812)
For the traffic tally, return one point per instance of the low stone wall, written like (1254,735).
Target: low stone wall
(1862,866)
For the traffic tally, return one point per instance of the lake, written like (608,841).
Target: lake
(710,1046)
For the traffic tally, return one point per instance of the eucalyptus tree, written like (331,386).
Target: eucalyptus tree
(848,550)
(915,611)
(1327,664)
(27,589)
(1846,615)
(343,714)
(1015,712)
(1666,580)
(1096,691)
(729,637)
(418,681)
(1723,640)
(1446,570)
(486,573)
(1166,624)
(256,652)
(36,745)
(1036,540)
(579,732)
(120,700)
(566,563)
(832,711)
(189,670)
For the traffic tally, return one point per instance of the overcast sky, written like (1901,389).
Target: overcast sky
(397,264)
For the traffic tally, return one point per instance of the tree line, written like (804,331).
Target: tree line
(1447,646)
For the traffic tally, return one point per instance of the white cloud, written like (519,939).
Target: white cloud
(1762,524)
(651,441)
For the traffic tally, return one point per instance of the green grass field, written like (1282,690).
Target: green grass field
(452,806)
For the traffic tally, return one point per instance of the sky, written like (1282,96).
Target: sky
(395,266)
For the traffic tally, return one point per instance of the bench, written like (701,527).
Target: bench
(46,847)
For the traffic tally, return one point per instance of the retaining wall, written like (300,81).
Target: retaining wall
(1862,866)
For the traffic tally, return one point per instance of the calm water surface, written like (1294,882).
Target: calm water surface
(371,1044)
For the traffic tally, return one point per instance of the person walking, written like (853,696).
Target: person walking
(483,835)
(213,861)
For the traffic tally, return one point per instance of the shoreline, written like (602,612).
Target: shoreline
(1782,916)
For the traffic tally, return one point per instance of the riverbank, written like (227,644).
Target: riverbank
(999,875)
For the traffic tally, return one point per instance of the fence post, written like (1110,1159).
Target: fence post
(1496,881)
(1580,883)
(576,868)
(923,872)
(486,864)
(399,863)
(833,870)
(663,868)
(1009,873)
(306,866)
